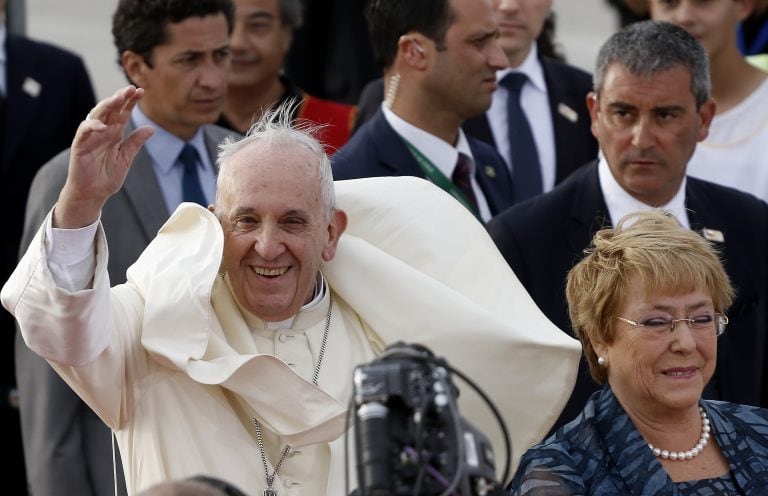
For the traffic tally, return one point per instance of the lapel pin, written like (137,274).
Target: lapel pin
(567,112)
(713,235)
(490,171)
(31,87)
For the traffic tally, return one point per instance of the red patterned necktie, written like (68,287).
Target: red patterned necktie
(462,178)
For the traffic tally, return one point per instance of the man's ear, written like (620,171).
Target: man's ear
(706,114)
(411,48)
(593,107)
(745,8)
(135,68)
(336,228)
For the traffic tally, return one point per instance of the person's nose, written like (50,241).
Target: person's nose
(643,134)
(507,6)
(213,73)
(497,59)
(684,15)
(683,338)
(269,243)
(237,40)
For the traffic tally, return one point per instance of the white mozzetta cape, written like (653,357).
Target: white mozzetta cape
(166,360)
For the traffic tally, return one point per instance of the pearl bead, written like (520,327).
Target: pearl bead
(693,452)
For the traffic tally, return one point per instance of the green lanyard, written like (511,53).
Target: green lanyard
(433,174)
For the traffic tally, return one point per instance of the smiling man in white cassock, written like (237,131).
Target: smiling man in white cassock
(230,350)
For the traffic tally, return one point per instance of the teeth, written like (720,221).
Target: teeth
(678,373)
(263,271)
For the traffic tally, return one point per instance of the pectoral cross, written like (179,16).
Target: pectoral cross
(270,492)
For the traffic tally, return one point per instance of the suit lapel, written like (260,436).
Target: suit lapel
(142,190)
(391,149)
(479,128)
(589,212)
(700,214)
(493,177)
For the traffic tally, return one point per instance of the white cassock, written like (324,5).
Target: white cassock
(173,366)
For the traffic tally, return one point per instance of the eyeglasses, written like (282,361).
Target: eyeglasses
(705,325)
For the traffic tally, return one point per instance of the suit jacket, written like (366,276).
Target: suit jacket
(567,86)
(48,93)
(377,150)
(545,236)
(603,453)
(67,447)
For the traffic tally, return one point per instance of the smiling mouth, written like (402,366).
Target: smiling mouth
(679,372)
(270,272)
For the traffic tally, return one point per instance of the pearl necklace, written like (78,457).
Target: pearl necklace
(270,479)
(691,453)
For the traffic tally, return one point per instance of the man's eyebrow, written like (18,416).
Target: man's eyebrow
(669,109)
(621,106)
(483,35)
(240,211)
(260,15)
(296,212)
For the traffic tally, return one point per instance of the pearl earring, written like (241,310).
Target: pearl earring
(602,361)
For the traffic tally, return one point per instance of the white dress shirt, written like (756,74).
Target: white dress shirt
(164,148)
(621,203)
(535,102)
(440,153)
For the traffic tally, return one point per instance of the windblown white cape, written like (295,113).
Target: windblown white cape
(163,361)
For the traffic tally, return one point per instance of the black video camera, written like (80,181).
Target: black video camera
(409,436)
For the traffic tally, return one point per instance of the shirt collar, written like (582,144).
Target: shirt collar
(163,146)
(531,67)
(440,153)
(621,203)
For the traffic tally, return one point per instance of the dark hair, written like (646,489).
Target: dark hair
(140,25)
(388,20)
(649,47)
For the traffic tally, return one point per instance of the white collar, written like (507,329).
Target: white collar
(442,154)
(531,67)
(621,203)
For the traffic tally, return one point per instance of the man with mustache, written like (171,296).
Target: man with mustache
(648,121)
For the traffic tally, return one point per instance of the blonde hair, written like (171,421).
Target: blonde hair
(651,246)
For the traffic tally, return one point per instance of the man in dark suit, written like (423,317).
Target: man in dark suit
(552,98)
(180,56)
(44,94)
(651,107)
(440,58)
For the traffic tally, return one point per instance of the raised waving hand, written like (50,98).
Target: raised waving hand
(100,159)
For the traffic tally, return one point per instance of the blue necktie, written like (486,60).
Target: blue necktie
(526,170)
(462,178)
(190,182)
